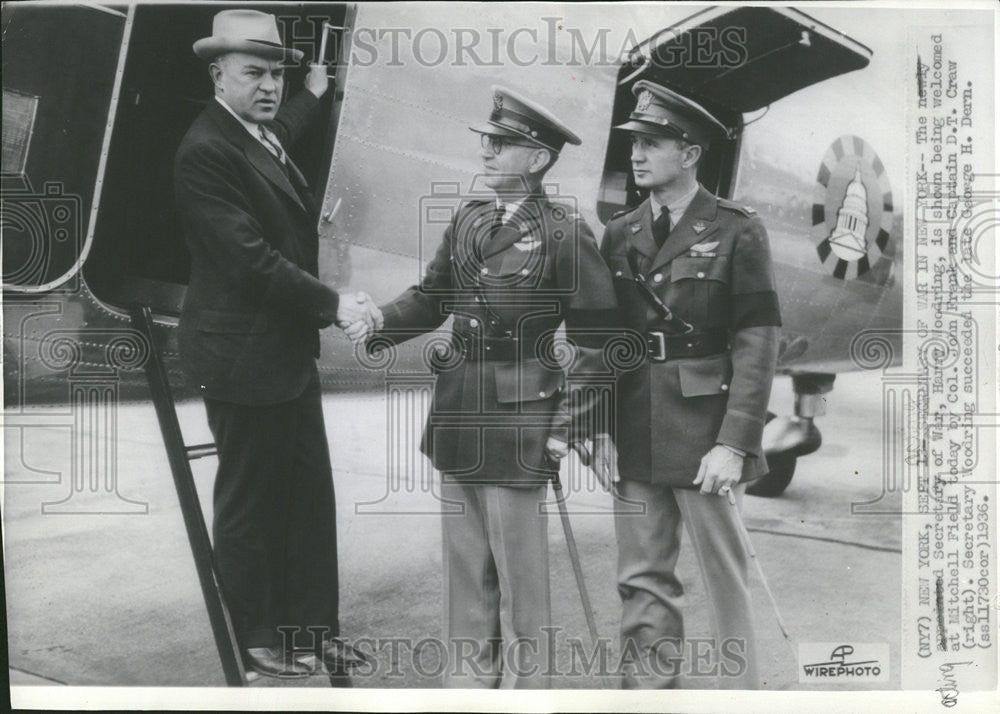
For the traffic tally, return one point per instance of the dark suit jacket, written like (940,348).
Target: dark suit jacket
(714,271)
(249,324)
(489,420)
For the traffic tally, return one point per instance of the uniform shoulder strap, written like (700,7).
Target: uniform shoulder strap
(739,208)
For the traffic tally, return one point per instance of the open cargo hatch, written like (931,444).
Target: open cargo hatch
(731,60)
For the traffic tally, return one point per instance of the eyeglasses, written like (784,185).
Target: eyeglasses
(496,143)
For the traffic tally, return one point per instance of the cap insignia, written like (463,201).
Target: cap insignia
(645,98)
(497,101)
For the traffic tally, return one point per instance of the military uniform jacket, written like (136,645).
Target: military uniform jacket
(489,419)
(248,331)
(714,271)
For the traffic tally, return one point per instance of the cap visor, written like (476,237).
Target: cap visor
(642,127)
(496,130)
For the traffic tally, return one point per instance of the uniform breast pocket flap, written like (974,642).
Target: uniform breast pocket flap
(620,269)
(523,259)
(526,381)
(704,377)
(688,267)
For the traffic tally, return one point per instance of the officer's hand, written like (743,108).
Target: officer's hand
(721,469)
(316,79)
(352,309)
(605,461)
(375,317)
(358,331)
(556,449)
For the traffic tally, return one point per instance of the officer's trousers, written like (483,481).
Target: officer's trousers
(654,652)
(496,586)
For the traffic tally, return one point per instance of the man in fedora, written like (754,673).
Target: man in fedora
(248,337)
(511,269)
(693,274)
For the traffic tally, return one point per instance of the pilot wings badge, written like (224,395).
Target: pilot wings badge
(527,243)
(705,247)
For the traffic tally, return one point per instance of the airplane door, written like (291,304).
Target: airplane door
(731,60)
(333,254)
(60,71)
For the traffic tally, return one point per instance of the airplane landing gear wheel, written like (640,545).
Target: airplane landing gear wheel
(777,479)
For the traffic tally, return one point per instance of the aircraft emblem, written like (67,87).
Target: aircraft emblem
(698,228)
(852,212)
(636,227)
(645,97)
(848,238)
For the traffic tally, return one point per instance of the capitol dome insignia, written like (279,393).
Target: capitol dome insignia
(852,210)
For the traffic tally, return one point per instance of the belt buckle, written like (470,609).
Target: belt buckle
(661,343)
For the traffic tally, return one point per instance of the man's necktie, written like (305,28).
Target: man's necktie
(498,213)
(661,227)
(272,144)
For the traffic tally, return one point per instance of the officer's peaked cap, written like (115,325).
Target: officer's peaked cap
(664,112)
(516,116)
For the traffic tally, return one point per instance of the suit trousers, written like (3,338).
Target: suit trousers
(496,586)
(654,652)
(274,527)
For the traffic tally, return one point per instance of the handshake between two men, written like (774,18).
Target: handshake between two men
(358,316)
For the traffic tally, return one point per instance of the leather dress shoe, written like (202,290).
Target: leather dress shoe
(338,656)
(273,662)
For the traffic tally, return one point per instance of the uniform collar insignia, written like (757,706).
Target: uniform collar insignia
(636,227)
(698,227)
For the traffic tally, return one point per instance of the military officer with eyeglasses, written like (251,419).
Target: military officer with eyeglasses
(692,274)
(510,271)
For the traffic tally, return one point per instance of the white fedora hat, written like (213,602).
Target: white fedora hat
(247,31)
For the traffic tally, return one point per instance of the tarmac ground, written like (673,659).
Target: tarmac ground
(102,598)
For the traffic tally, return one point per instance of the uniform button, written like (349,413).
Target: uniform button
(725,387)
(485,271)
(701,275)
(618,273)
(524,271)
(473,322)
(541,394)
(690,344)
(658,278)
(477,298)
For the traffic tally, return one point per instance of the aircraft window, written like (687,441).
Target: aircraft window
(19,111)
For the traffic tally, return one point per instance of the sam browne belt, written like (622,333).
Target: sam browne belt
(663,346)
